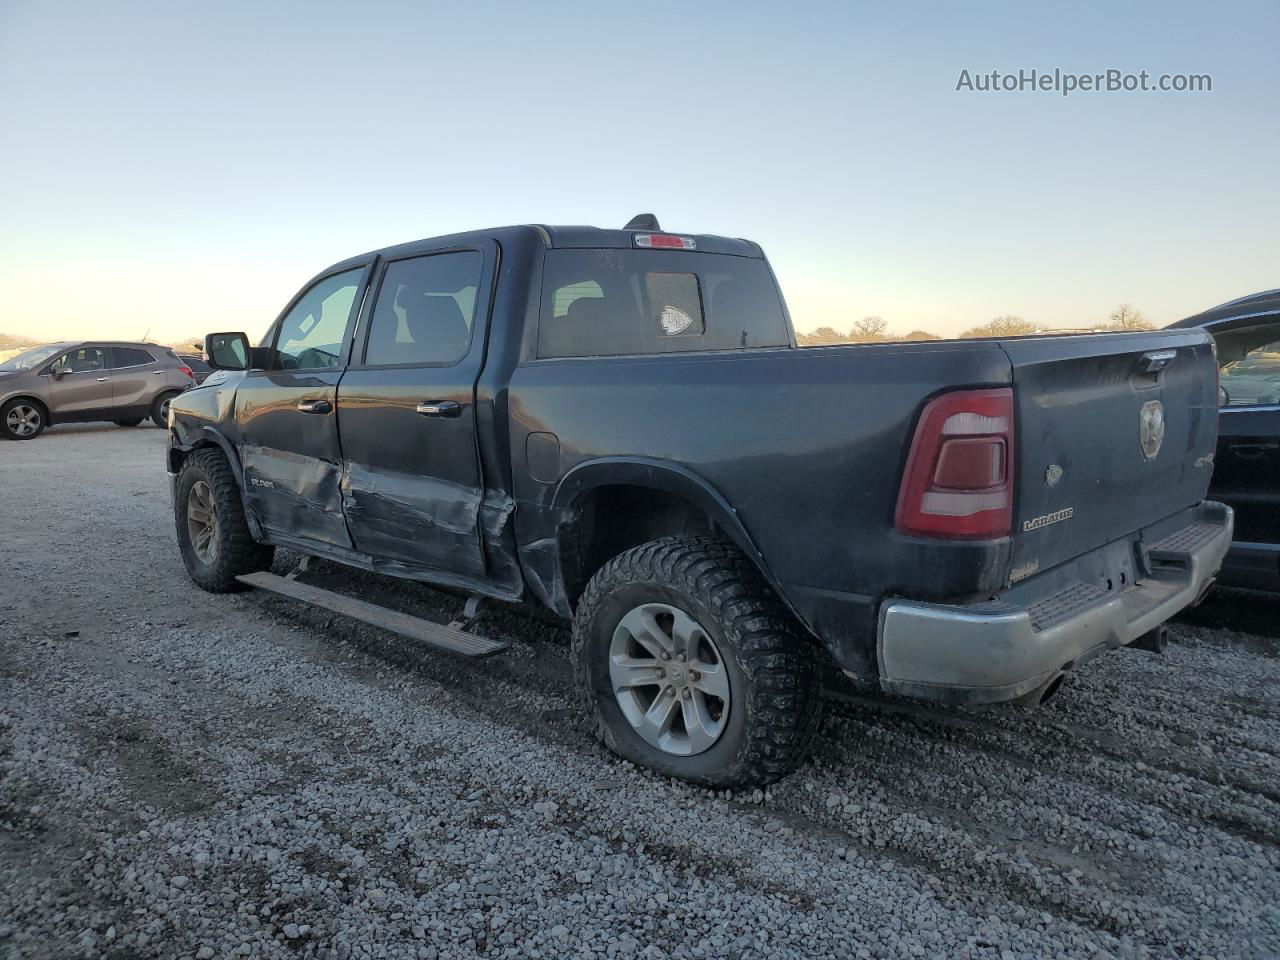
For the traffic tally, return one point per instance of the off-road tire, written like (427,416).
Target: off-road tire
(773,669)
(157,408)
(5,410)
(236,551)
(130,422)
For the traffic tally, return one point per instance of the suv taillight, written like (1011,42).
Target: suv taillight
(188,371)
(958,481)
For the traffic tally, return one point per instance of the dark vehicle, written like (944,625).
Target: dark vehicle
(1246,473)
(199,369)
(79,382)
(619,424)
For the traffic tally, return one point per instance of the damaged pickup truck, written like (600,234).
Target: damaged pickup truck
(619,425)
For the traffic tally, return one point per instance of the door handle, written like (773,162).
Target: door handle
(315,406)
(103,379)
(440,408)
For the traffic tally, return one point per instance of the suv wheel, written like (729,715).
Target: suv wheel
(130,422)
(160,409)
(212,533)
(22,420)
(691,665)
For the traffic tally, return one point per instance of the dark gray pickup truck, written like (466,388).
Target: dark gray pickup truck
(618,424)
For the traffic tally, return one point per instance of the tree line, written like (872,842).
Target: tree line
(876,329)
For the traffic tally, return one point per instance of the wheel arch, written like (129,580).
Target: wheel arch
(31,398)
(205,438)
(662,486)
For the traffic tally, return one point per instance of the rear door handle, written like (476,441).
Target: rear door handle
(315,406)
(103,379)
(440,408)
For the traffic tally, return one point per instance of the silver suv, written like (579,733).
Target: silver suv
(81,381)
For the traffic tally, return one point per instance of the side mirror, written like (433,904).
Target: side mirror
(227,351)
(60,372)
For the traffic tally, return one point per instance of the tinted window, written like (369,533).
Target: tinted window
(130,357)
(78,361)
(311,334)
(1250,366)
(610,302)
(196,364)
(425,310)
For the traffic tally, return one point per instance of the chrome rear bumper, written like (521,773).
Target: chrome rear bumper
(1010,646)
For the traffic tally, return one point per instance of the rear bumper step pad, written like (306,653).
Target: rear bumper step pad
(415,628)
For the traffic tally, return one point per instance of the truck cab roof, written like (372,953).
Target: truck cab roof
(555,237)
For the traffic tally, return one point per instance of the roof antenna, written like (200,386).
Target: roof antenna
(642,221)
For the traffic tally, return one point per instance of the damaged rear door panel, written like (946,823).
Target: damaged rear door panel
(411,485)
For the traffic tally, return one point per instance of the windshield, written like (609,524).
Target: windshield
(29,359)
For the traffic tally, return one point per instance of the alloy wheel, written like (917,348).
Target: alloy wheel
(669,679)
(200,522)
(23,420)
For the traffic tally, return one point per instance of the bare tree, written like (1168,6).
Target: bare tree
(869,328)
(1128,317)
(1007,326)
(921,335)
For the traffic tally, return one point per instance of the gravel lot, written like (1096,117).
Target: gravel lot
(187,775)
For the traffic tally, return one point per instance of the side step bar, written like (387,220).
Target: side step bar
(415,628)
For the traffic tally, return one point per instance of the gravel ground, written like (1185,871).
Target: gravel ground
(187,775)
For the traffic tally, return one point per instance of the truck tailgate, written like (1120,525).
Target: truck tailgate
(1091,464)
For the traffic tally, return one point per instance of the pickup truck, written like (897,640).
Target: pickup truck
(618,424)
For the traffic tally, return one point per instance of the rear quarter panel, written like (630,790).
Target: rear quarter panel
(806,445)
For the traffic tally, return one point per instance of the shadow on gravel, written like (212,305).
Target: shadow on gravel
(1245,611)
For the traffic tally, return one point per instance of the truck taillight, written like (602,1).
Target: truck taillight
(958,481)
(664,241)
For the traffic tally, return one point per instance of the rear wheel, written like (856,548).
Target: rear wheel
(22,420)
(160,410)
(691,666)
(128,422)
(212,532)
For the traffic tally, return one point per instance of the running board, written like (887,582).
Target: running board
(415,628)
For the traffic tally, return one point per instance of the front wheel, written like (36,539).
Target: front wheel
(691,665)
(212,532)
(21,420)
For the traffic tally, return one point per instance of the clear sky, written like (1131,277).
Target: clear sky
(178,168)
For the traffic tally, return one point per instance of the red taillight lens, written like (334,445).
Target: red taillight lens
(664,240)
(958,481)
(188,371)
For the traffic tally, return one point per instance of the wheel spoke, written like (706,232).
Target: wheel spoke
(644,628)
(685,633)
(628,672)
(701,729)
(656,722)
(712,679)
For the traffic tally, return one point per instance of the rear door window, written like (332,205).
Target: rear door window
(615,302)
(129,357)
(425,310)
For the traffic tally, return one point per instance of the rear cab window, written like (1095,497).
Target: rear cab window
(612,302)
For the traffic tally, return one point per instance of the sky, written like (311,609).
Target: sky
(173,169)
